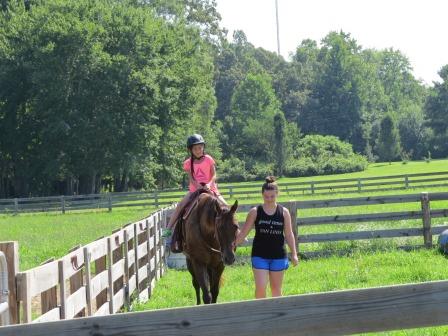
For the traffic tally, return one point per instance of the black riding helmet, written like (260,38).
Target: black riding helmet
(195,139)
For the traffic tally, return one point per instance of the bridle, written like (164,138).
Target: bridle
(215,236)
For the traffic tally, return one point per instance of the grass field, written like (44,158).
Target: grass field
(42,236)
(357,270)
(381,169)
(370,263)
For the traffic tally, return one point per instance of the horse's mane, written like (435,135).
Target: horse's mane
(212,204)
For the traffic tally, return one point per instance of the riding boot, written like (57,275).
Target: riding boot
(177,238)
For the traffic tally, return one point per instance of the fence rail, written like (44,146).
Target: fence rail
(332,313)
(158,198)
(426,215)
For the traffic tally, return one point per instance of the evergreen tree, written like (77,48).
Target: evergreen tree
(388,146)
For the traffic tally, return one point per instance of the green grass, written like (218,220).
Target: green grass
(358,270)
(375,169)
(42,236)
(45,235)
(385,169)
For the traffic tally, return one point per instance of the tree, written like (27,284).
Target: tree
(280,142)
(388,145)
(84,100)
(436,110)
(249,128)
(334,107)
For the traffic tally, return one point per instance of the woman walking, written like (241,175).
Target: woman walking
(272,224)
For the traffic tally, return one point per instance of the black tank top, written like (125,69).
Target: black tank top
(269,241)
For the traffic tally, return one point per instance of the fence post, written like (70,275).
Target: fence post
(161,245)
(11,251)
(136,258)
(62,289)
(109,203)
(148,246)
(156,199)
(292,207)
(110,274)
(4,291)
(406,182)
(312,187)
(230,192)
(359,185)
(63,204)
(86,254)
(16,206)
(426,216)
(156,249)
(126,270)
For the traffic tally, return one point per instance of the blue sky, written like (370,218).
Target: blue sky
(419,29)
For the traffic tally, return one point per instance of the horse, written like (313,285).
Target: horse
(209,235)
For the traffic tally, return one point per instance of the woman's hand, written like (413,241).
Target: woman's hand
(294,260)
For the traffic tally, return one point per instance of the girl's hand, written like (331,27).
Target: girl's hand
(295,260)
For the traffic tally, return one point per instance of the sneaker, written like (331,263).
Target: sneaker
(167,233)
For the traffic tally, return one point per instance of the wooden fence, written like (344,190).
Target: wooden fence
(427,230)
(331,313)
(124,267)
(99,278)
(246,190)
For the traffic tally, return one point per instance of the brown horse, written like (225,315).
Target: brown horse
(209,244)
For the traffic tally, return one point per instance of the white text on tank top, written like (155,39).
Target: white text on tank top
(271,227)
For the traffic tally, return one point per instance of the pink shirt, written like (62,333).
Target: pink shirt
(202,172)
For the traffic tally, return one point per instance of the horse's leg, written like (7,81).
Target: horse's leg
(194,281)
(202,278)
(215,277)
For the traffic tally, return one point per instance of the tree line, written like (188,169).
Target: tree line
(101,95)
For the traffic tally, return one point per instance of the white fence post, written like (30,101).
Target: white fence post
(4,291)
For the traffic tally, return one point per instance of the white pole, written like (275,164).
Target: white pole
(278,33)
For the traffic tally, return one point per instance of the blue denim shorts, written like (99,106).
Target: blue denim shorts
(274,265)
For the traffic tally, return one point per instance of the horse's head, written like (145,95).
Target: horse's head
(227,227)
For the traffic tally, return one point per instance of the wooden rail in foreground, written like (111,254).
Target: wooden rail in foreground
(246,190)
(331,313)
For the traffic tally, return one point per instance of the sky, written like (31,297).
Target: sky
(419,29)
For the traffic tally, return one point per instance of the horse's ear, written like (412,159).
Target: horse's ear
(234,207)
(218,207)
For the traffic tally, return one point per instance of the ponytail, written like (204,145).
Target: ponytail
(270,184)
(191,166)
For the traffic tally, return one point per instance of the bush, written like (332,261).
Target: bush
(324,155)
(300,167)
(340,165)
(233,170)
(261,170)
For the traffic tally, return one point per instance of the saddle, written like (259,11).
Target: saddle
(177,239)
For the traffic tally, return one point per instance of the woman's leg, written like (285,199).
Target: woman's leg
(276,280)
(177,211)
(261,281)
